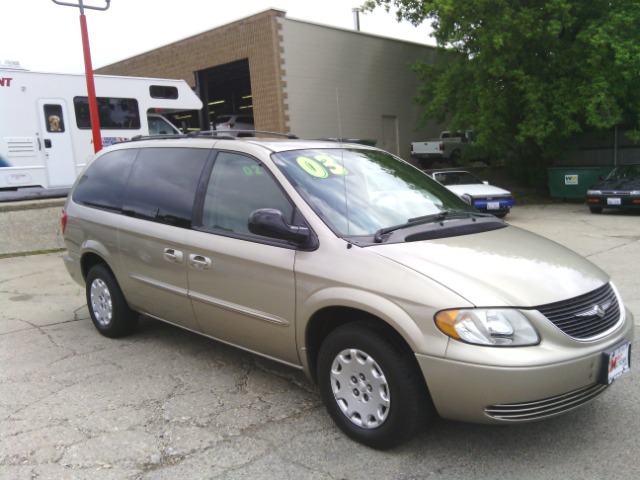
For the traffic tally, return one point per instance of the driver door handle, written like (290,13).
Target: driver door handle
(199,261)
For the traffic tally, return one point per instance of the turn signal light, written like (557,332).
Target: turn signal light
(63,220)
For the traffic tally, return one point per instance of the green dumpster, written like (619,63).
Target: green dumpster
(573,182)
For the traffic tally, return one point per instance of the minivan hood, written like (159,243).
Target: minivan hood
(505,267)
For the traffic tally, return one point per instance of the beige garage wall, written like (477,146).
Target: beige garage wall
(348,84)
(256,38)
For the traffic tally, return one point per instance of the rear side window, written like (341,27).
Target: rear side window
(163,183)
(102,183)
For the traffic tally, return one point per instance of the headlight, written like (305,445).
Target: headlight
(594,192)
(493,327)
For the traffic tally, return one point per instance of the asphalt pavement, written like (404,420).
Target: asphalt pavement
(165,403)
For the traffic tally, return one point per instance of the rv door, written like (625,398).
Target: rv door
(56,143)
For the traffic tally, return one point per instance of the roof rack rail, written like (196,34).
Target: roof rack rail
(154,137)
(239,134)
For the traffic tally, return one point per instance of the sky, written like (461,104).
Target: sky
(44,36)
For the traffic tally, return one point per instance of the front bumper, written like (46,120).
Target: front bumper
(480,393)
(490,205)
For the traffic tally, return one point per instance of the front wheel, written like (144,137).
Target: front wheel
(109,310)
(371,386)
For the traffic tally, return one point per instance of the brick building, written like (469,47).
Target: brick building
(294,76)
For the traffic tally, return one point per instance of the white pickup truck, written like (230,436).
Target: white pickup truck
(446,148)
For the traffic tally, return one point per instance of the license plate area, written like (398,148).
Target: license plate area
(615,362)
(614,201)
(493,206)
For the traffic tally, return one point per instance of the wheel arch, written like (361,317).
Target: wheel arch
(94,253)
(326,320)
(89,260)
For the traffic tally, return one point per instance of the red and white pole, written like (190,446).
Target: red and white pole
(91,88)
(88,69)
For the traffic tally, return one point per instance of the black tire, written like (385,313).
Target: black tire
(108,308)
(595,209)
(386,400)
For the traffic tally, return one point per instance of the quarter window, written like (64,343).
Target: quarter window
(239,185)
(102,184)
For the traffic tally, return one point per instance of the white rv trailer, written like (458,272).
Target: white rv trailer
(45,130)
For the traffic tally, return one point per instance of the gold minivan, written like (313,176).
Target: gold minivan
(396,297)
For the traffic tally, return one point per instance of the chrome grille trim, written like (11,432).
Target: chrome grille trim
(547,407)
(578,317)
(615,192)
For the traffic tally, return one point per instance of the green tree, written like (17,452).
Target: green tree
(527,74)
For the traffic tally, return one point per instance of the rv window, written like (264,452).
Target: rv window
(114,113)
(162,91)
(53,118)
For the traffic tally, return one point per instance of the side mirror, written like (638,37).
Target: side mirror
(485,182)
(270,222)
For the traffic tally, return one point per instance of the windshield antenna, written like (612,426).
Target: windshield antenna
(339,116)
(344,179)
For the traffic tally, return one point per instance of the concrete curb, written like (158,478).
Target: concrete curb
(31,204)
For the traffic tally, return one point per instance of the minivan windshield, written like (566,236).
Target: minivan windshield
(359,192)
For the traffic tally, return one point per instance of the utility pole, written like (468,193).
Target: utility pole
(88,69)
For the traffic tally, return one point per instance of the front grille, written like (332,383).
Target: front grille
(546,407)
(586,316)
(621,193)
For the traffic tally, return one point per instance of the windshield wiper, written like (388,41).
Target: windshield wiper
(434,217)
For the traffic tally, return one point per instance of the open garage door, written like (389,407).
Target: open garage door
(225,90)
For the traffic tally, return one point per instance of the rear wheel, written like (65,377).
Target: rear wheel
(595,209)
(109,311)
(371,386)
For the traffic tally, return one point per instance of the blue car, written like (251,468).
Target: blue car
(484,197)
(619,189)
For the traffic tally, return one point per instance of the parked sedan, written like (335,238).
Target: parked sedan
(484,197)
(619,189)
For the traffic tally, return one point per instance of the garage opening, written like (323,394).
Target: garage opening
(225,90)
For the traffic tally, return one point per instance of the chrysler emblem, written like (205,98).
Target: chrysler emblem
(599,310)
